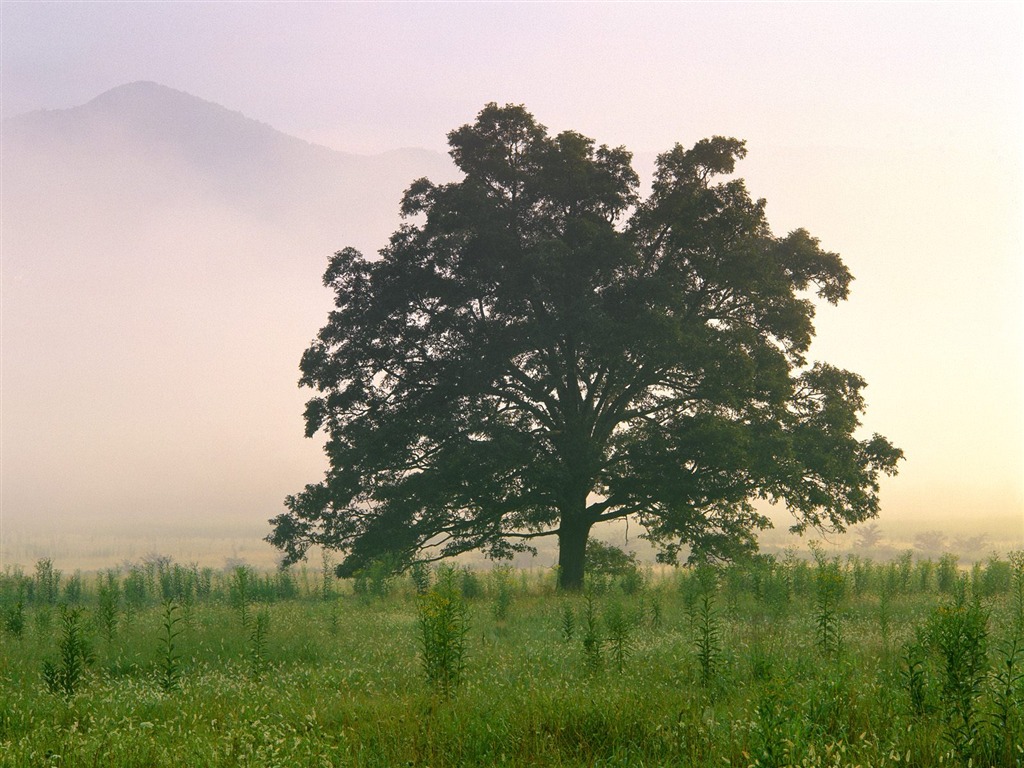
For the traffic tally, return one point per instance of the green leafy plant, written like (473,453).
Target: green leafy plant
(64,676)
(925,574)
(327,576)
(1008,702)
(590,637)
(241,593)
(776,587)
(333,617)
(914,674)
(885,613)
(708,639)
(959,634)
(47,582)
(655,611)
(442,623)
(73,589)
(501,579)
(859,570)
(567,621)
(830,587)
(169,671)
(108,608)
(619,626)
(376,579)
(1017,590)
(905,570)
(258,642)
(947,572)
(700,581)
(420,574)
(135,592)
(470,584)
(607,563)
(14,618)
(771,726)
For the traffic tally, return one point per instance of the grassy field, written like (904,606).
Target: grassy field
(778,661)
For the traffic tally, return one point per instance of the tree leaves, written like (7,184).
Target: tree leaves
(537,350)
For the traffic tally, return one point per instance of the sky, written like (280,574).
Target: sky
(891,131)
(375,76)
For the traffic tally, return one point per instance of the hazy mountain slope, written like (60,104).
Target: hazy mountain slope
(161,276)
(144,144)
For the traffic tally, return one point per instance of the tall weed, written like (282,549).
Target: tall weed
(959,634)
(64,676)
(169,671)
(442,624)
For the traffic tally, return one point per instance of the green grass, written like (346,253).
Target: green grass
(340,679)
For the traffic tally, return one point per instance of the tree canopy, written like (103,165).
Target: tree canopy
(537,350)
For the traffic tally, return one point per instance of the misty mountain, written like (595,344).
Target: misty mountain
(162,258)
(146,144)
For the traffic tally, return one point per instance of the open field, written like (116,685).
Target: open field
(778,661)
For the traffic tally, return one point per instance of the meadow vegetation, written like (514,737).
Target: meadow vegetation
(775,661)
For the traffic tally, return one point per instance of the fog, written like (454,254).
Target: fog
(162,258)
(162,264)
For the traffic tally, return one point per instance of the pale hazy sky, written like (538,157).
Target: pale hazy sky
(891,131)
(375,76)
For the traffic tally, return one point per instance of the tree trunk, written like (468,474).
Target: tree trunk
(572,549)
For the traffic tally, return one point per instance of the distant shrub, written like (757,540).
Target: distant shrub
(947,572)
(905,570)
(608,560)
(997,577)
(135,593)
(698,583)
(420,574)
(47,582)
(860,573)
(376,579)
(501,582)
(925,571)
(73,589)
(607,564)
(286,587)
(471,586)
(14,618)
(801,577)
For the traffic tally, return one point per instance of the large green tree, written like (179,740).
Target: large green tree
(538,349)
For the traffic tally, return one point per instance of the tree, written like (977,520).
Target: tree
(538,350)
(869,536)
(932,542)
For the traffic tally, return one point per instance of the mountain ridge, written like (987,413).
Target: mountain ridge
(143,102)
(161,146)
